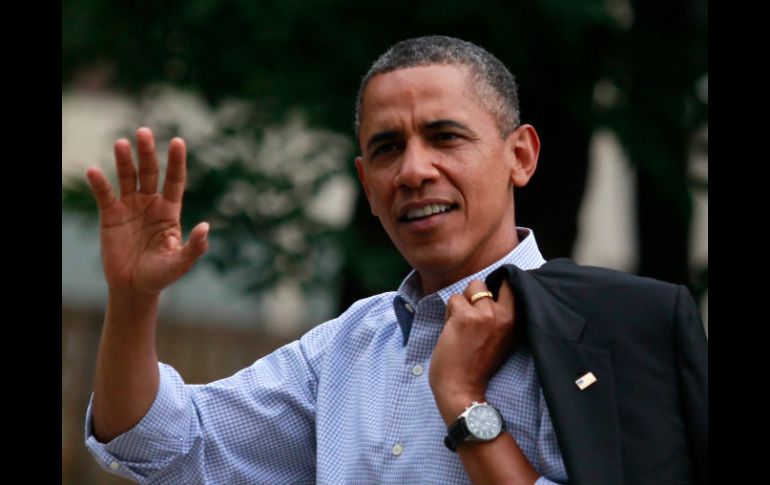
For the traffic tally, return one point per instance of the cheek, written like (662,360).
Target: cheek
(483,188)
(473,164)
(380,193)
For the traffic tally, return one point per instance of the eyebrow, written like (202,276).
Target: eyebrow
(440,124)
(430,126)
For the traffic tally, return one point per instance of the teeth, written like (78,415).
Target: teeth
(427,210)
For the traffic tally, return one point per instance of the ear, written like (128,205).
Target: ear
(524,147)
(362,177)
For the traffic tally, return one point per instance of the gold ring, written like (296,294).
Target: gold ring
(481,294)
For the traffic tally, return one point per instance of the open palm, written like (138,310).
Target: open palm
(141,235)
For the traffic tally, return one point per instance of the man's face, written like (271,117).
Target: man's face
(437,172)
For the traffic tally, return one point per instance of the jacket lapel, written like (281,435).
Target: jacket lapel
(586,421)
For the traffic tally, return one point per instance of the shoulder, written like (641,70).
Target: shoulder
(600,292)
(584,286)
(563,273)
(362,320)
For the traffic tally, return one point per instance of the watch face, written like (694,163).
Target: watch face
(484,422)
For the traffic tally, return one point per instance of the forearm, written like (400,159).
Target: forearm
(499,461)
(478,337)
(126,379)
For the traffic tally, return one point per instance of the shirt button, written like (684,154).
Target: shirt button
(417,370)
(397,449)
(114,465)
(409,307)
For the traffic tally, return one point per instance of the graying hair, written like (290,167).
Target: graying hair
(493,83)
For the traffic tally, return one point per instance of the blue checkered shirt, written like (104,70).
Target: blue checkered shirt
(348,403)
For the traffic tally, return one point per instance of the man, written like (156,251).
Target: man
(438,382)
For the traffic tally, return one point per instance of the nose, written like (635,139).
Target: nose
(417,167)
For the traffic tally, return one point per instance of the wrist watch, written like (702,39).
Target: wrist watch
(479,422)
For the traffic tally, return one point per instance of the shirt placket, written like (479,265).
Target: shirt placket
(412,391)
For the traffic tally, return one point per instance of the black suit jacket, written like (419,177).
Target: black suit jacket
(645,420)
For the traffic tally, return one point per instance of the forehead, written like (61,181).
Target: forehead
(419,94)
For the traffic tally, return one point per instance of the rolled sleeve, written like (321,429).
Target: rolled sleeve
(155,440)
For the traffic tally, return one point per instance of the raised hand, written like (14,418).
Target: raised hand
(141,234)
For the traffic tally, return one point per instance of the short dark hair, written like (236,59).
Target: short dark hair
(492,81)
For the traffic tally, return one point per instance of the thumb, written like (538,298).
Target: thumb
(197,245)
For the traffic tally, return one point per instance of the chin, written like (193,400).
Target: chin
(433,261)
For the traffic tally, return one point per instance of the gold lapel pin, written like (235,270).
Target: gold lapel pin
(586,381)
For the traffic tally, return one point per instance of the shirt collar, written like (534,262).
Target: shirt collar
(526,255)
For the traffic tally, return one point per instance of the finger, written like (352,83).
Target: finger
(455,305)
(506,309)
(197,244)
(505,296)
(125,167)
(101,188)
(176,173)
(475,287)
(148,161)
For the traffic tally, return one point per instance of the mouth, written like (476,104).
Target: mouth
(426,211)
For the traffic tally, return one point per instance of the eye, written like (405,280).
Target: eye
(384,148)
(446,136)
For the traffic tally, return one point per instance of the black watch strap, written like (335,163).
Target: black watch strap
(456,434)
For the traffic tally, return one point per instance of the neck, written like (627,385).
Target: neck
(432,281)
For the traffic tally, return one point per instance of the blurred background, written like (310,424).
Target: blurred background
(263,93)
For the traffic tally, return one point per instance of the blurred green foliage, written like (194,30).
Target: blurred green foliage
(309,55)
